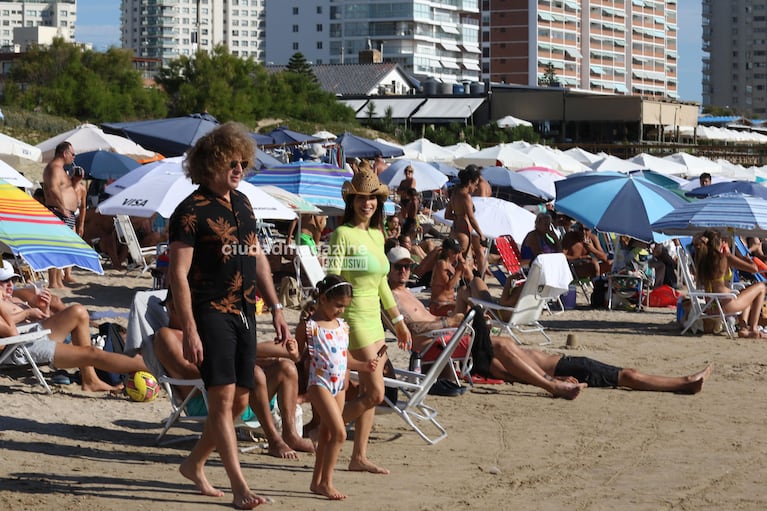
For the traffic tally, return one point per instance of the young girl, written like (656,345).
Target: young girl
(326,336)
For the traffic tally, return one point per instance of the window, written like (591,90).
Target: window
(295,12)
(319,45)
(295,46)
(319,27)
(295,28)
(319,9)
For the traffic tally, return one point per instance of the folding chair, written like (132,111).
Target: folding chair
(414,388)
(16,346)
(511,259)
(308,265)
(703,304)
(548,278)
(127,236)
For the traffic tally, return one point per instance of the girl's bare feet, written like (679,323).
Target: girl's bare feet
(199,480)
(327,491)
(366,465)
(248,500)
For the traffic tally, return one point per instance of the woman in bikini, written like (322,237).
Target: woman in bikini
(713,266)
(460,210)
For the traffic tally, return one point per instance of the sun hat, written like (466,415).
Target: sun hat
(397,254)
(6,272)
(364,183)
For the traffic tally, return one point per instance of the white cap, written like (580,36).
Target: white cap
(397,254)
(6,272)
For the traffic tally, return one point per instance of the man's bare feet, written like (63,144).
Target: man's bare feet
(365,465)
(248,500)
(100,385)
(199,480)
(697,380)
(327,491)
(568,390)
(279,449)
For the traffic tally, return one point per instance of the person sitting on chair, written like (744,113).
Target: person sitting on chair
(452,281)
(541,240)
(584,253)
(502,358)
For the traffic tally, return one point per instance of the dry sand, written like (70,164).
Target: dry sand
(509,446)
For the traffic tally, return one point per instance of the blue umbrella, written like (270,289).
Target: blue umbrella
(360,147)
(105,164)
(262,139)
(615,202)
(744,214)
(283,135)
(504,178)
(170,137)
(747,187)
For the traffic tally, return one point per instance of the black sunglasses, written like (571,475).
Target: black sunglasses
(243,164)
(403,266)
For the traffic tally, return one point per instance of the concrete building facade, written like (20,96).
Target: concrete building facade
(59,15)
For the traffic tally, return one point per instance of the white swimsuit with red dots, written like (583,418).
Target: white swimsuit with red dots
(327,351)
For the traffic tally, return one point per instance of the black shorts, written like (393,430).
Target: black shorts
(588,370)
(228,347)
(68,219)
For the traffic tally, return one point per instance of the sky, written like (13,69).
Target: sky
(98,22)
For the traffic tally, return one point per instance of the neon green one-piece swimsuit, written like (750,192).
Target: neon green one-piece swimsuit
(358,256)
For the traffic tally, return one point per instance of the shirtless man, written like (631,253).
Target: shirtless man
(583,251)
(460,210)
(561,375)
(447,297)
(72,320)
(79,186)
(483,188)
(60,197)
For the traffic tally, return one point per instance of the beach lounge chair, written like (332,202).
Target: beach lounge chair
(309,270)
(413,388)
(703,304)
(127,236)
(511,259)
(548,278)
(16,346)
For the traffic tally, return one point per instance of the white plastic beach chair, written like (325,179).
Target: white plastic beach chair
(127,236)
(309,270)
(16,346)
(414,388)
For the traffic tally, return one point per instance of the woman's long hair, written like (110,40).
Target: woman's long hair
(376,221)
(708,256)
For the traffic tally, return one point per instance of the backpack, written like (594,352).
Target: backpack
(112,336)
(290,293)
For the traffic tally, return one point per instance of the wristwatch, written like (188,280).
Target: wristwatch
(276,307)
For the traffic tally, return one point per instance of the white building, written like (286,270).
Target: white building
(437,39)
(168,29)
(59,15)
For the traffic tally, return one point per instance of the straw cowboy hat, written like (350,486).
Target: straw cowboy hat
(365,183)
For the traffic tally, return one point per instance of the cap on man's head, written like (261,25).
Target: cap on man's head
(6,272)
(451,244)
(397,254)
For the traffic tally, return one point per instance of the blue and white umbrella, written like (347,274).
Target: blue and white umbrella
(744,214)
(727,187)
(615,202)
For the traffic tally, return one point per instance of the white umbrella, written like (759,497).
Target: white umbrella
(510,121)
(614,164)
(497,217)
(695,165)
(166,166)
(499,155)
(88,137)
(659,165)
(542,178)
(427,177)
(460,149)
(10,145)
(547,157)
(12,176)
(161,193)
(425,150)
(324,135)
(583,155)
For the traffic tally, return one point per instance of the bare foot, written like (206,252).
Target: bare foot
(568,390)
(299,444)
(199,479)
(70,280)
(248,501)
(279,449)
(100,385)
(366,466)
(697,380)
(327,491)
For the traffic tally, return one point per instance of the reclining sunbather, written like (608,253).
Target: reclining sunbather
(52,351)
(562,376)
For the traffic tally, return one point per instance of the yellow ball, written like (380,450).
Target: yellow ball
(141,386)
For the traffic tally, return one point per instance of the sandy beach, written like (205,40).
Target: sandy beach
(509,446)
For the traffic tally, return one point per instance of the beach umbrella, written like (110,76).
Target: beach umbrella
(584,156)
(161,192)
(30,231)
(88,137)
(170,137)
(14,177)
(665,180)
(262,139)
(15,147)
(105,164)
(424,149)
(497,217)
(360,147)
(283,135)
(510,121)
(324,135)
(171,165)
(460,149)
(427,177)
(741,187)
(446,169)
(612,163)
(542,177)
(615,202)
(659,165)
(505,178)
(291,200)
(546,157)
(694,182)
(695,165)
(500,155)
(744,214)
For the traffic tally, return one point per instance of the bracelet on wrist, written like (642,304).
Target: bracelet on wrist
(276,307)
(397,319)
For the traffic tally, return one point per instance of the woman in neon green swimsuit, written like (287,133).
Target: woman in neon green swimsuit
(357,254)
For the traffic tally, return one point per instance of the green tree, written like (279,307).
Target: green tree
(299,65)
(549,78)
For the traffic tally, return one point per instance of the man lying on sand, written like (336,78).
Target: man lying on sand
(511,363)
(52,350)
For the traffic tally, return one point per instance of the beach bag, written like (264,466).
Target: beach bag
(290,293)
(112,336)
(664,296)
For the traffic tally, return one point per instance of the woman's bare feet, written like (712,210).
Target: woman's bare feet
(567,390)
(199,480)
(248,500)
(365,465)
(697,380)
(279,449)
(327,491)
(297,443)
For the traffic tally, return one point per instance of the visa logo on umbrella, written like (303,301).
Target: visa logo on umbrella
(135,202)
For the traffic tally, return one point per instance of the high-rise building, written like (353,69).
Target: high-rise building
(615,46)
(735,55)
(60,15)
(168,29)
(438,39)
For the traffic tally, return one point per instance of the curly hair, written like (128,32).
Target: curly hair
(213,153)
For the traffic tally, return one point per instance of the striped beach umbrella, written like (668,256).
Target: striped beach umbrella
(30,231)
(744,214)
(615,202)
